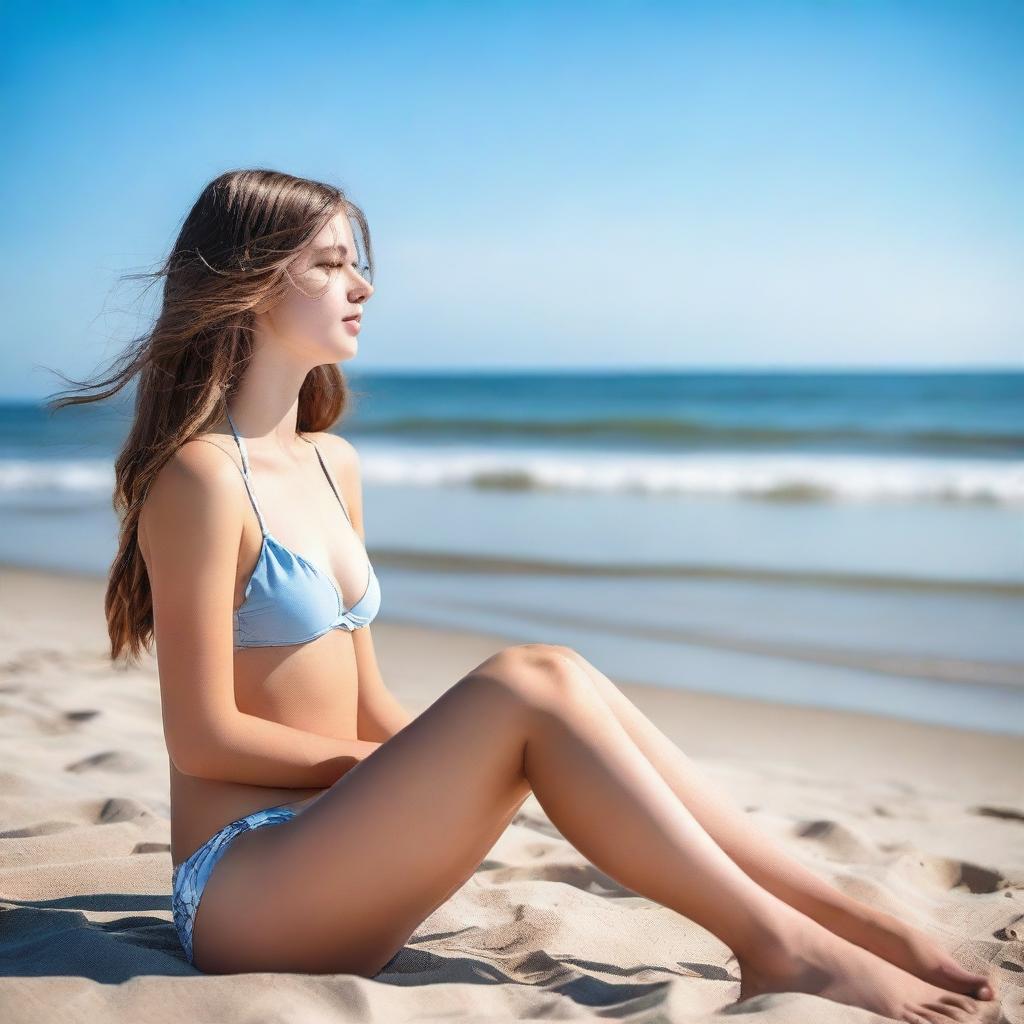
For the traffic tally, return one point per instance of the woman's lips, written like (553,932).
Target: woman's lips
(352,326)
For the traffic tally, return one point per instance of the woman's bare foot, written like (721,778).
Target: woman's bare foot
(918,954)
(807,957)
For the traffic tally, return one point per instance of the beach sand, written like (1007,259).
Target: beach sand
(922,821)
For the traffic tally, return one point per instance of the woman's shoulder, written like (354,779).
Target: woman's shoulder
(343,462)
(196,461)
(328,439)
(194,474)
(341,452)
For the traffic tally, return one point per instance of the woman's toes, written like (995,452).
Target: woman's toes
(947,1014)
(946,1011)
(932,1016)
(955,999)
(961,978)
(985,990)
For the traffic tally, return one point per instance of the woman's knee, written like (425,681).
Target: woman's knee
(551,654)
(539,674)
(567,652)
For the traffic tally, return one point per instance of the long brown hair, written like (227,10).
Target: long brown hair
(230,259)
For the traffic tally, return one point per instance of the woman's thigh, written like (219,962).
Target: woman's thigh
(341,887)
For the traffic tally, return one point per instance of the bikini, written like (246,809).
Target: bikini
(288,600)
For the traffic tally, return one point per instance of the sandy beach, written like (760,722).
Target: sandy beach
(926,822)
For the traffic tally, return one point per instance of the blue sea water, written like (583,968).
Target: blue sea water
(847,539)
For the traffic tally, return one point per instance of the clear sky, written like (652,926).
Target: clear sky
(548,184)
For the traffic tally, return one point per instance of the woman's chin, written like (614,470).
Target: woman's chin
(342,350)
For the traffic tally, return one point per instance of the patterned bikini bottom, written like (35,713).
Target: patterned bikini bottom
(189,878)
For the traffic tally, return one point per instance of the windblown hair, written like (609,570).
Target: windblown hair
(231,259)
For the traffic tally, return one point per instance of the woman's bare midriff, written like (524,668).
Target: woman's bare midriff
(312,686)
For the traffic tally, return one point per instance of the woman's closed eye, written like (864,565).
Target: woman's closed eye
(338,266)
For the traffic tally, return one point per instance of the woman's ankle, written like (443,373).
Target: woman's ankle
(774,939)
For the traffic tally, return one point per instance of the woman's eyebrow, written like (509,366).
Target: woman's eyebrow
(330,249)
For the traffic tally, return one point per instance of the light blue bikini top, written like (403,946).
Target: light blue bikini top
(289,599)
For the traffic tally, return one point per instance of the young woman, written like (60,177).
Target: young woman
(315,823)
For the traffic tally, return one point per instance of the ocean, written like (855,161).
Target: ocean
(840,539)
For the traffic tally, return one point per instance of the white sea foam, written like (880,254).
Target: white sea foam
(81,476)
(791,476)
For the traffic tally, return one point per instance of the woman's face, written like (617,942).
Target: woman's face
(328,287)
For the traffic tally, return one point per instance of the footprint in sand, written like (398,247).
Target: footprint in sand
(1006,813)
(151,848)
(108,761)
(43,828)
(121,808)
(840,841)
(81,716)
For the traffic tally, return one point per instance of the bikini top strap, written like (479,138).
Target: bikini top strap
(327,473)
(245,473)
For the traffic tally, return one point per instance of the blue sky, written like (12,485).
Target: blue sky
(548,185)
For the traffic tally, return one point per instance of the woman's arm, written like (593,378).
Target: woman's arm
(380,713)
(192,523)
(260,752)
